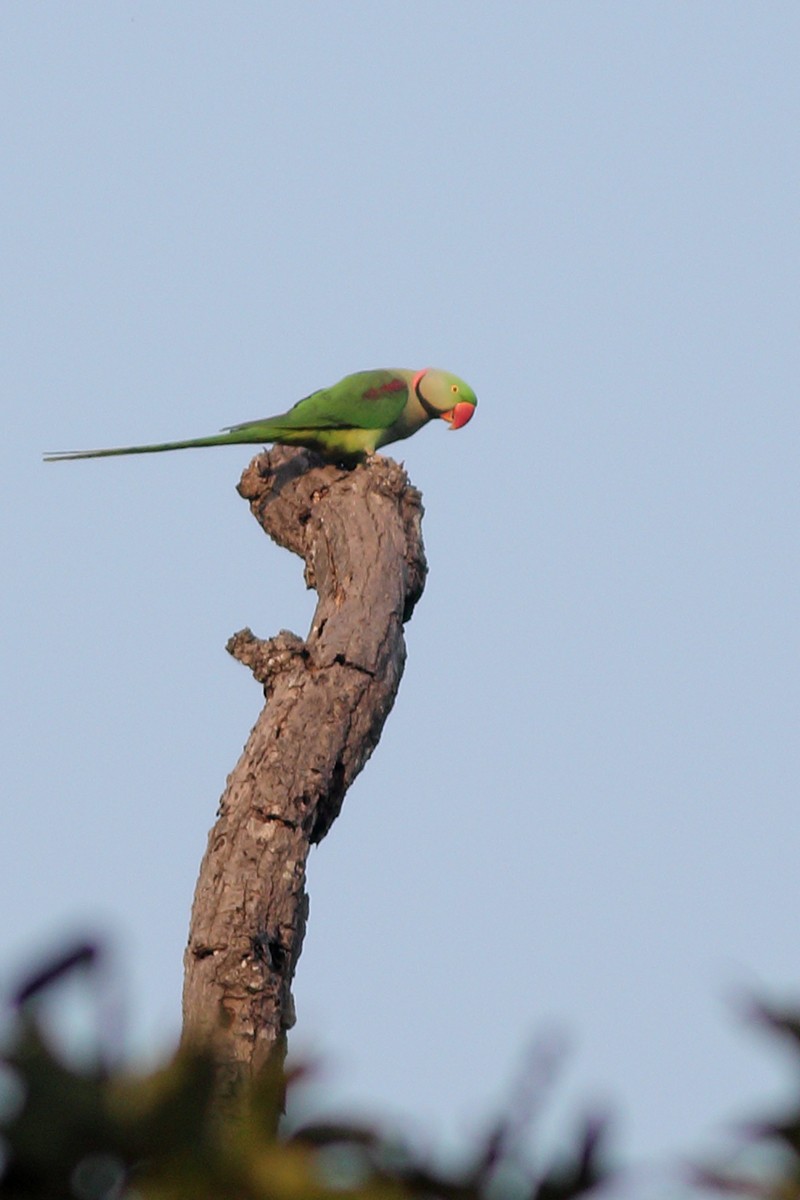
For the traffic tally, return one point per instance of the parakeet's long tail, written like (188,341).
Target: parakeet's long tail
(231,437)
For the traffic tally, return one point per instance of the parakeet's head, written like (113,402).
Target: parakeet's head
(445,396)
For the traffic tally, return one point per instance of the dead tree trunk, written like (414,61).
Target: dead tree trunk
(359,533)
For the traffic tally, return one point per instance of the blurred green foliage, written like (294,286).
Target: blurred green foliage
(92,1132)
(767,1162)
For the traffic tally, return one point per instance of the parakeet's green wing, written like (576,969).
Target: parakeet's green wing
(365,400)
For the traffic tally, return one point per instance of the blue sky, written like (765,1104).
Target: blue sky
(583,810)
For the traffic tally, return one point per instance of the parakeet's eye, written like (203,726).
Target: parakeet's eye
(453,387)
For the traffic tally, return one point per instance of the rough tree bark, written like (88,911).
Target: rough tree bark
(359,532)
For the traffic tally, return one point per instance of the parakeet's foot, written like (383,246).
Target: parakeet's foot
(347,461)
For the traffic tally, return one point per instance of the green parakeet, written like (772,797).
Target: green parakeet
(345,422)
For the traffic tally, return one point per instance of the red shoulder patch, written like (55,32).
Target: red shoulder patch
(386,389)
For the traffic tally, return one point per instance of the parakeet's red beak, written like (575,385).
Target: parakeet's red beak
(459,415)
